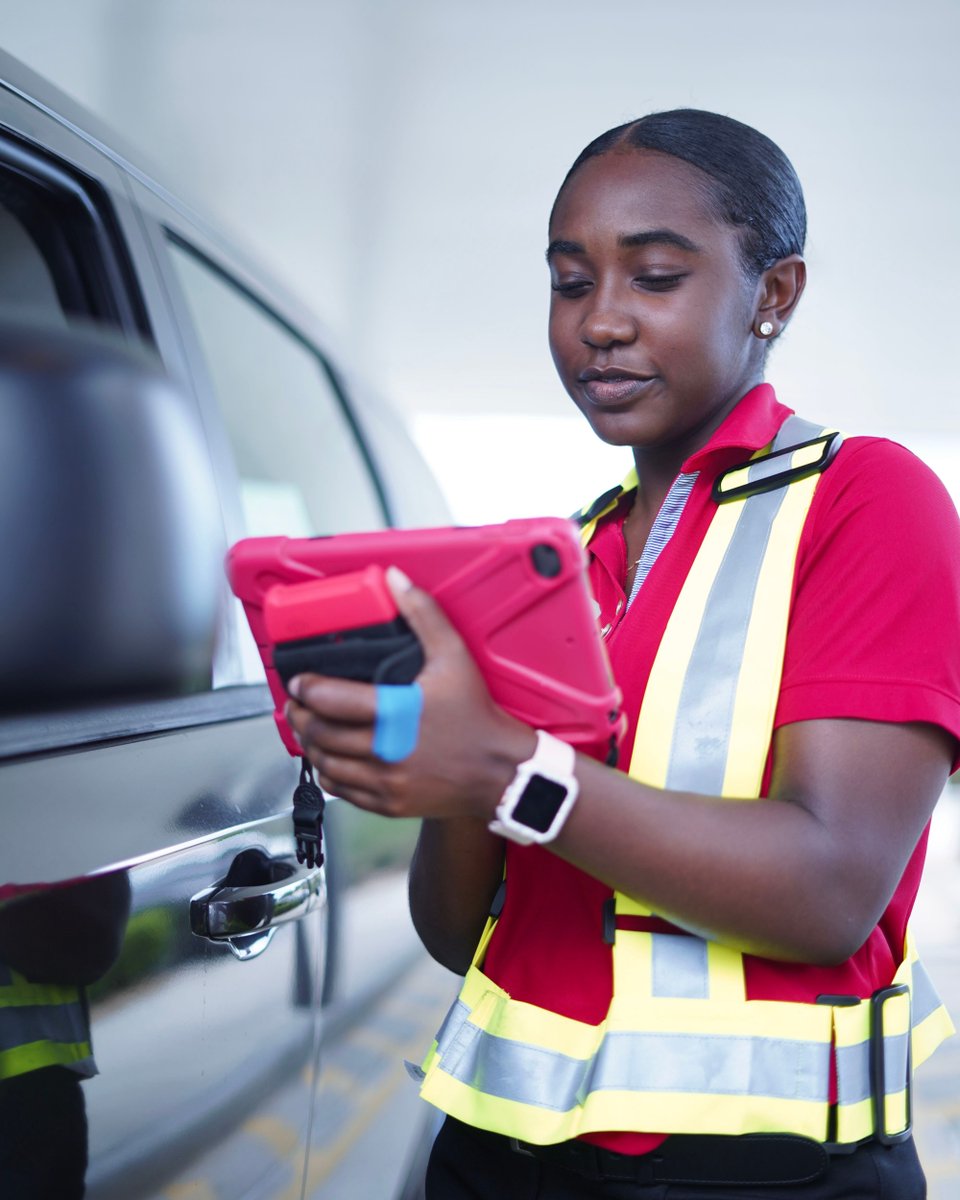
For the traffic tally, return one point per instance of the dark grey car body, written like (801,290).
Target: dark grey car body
(125,808)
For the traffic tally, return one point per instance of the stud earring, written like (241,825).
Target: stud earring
(766,329)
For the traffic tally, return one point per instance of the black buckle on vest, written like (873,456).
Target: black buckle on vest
(610,920)
(596,508)
(829,444)
(878,1068)
(878,1073)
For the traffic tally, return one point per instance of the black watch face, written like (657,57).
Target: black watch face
(539,803)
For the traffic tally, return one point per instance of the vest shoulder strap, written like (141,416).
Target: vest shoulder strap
(585,515)
(783,464)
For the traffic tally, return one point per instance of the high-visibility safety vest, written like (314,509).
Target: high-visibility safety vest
(682,1049)
(42,1025)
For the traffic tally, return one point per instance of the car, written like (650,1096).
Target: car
(200,1014)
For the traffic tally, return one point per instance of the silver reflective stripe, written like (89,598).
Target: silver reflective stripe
(663,528)
(923,995)
(639,1062)
(765,468)
(853,1069)
(516,1070)
(710,1064)
(679,967)
(451,1024)
(698,754)
(42,1023)
(853,1073)
(895,1062)
(794,431)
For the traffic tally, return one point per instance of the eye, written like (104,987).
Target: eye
(572,289)
(659,283)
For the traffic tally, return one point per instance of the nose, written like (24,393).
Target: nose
(607,325)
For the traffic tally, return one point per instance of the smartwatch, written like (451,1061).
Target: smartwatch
(540,796)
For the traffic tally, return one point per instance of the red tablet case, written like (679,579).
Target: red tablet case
(517,593)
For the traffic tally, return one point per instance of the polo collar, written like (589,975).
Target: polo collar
(749,426)
(752,424)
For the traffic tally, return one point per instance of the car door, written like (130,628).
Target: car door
(294,449)
(123,816)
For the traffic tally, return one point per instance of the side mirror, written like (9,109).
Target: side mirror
(110,536)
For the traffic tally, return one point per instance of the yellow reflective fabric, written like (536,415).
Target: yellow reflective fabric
(653,740)
(22,992)
(42,1025)
(586,531)
(682,1049)
(473,1098)
(756,702)
(31,1057)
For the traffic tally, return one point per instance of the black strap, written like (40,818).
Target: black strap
(749,1160)
(829,444)
(596,508)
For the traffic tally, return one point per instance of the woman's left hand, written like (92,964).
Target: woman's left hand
(467,747)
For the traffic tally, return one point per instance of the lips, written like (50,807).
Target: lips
(614,385)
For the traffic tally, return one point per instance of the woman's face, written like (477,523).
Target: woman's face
(651,315)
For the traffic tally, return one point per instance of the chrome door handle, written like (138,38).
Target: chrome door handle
(246,916)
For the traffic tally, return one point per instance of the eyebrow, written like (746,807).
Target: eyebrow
(649,237)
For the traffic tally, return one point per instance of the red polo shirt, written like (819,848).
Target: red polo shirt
(874,634)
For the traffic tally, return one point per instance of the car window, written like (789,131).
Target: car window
(302,468)
(27,285)
(60,258)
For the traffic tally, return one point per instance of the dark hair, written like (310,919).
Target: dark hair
(754,184)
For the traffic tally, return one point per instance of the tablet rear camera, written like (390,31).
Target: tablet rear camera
(546,560)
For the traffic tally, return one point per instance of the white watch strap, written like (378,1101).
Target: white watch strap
(552,757)
(552,760)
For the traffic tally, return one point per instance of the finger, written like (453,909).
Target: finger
(332,737)
(343,700)
(358,797)
(349,778)
(424,615)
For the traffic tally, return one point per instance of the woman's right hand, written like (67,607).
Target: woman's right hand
(466,753)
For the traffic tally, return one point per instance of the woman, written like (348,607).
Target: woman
(675,999)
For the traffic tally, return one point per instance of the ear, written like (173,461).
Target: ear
(778,292)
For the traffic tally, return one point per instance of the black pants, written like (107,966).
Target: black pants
(467,1165)
(43,1136)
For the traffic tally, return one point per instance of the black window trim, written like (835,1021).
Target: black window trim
(87,724)
(327,368)
(113,277)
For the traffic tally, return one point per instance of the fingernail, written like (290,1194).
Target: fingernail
(398,580)
(293,687)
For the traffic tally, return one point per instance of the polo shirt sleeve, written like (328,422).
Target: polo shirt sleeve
(875,623)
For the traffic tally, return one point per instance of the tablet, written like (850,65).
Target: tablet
(516,592)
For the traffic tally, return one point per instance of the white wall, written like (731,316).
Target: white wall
(396,162)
